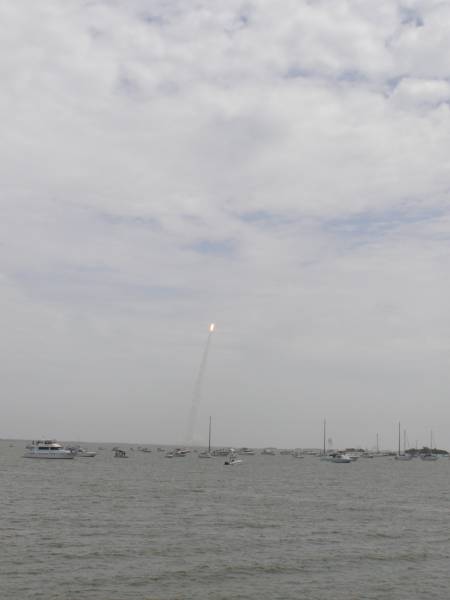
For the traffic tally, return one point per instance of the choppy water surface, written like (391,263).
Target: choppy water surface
(273,527)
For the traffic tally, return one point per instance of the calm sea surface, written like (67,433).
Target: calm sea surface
(274,527)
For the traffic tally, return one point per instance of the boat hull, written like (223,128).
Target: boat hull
(50,455)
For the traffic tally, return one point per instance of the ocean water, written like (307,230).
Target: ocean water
(274,527)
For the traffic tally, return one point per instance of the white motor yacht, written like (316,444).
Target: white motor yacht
(47,449)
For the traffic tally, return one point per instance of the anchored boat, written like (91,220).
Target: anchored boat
(47,449)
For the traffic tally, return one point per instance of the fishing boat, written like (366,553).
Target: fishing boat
(47,449)
(207,454)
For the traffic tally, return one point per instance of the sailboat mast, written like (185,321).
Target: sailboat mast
(324,436)
(209,436)
(399,449)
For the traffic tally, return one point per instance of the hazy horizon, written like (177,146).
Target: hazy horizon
(280,170)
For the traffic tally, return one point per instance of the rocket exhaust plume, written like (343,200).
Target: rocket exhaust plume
(196,396)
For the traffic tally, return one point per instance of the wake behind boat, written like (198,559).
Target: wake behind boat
(47,449)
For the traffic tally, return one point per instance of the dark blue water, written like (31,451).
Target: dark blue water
(150,528)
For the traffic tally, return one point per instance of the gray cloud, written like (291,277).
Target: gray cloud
(281,170)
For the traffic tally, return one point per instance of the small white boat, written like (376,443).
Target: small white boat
(47,449)
(181,452)
(232,459)
(340,457)
(82,452)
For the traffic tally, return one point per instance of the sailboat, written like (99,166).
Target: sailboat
(430,455)
(207,454)
(401,456)
(324,454)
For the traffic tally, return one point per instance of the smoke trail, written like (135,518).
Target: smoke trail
(196,396)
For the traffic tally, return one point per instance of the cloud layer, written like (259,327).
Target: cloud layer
(282,170)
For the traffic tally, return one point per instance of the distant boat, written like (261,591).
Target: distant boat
(325,455)
(430,455)
(47,449)
(118,453)
(247,451)
(221,452)
(269,451)
(82,452)
(232,459)
(181,452)
(341,457)
(401,456)
(207,454)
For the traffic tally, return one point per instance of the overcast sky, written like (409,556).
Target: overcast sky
(280,168)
